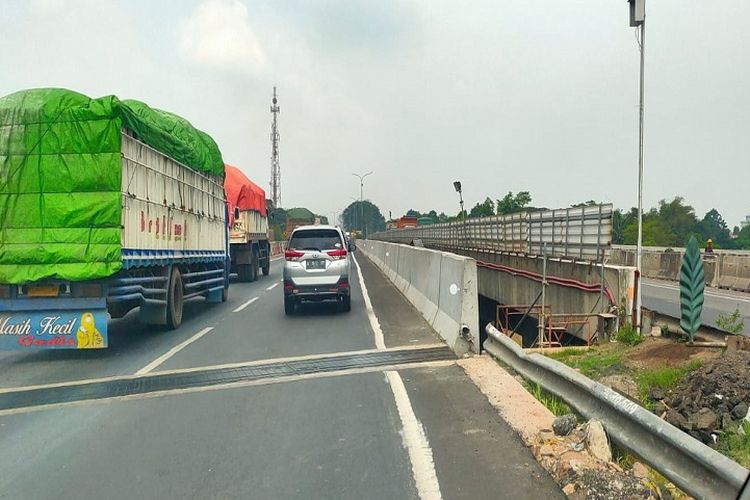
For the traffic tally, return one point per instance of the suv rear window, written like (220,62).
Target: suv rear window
(316,239)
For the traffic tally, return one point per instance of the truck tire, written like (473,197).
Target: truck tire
(174,300)
(255,264)
(266,266)
(245,272)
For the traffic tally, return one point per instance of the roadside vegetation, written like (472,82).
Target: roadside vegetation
(647,369)
(736,444)
(732,323)
(554,404)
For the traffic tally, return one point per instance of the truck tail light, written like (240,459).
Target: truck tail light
(293,255)
(337,254)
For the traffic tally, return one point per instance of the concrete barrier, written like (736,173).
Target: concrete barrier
(441,286)
(729,269)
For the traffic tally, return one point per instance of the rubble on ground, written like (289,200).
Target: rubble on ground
(580,462)
(710,400)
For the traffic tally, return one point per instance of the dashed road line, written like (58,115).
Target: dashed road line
(272,286)
(245,305)
(164,357)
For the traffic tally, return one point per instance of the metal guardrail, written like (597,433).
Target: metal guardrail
(697,469)
(581,233)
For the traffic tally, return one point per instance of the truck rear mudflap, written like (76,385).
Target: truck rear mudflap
(33,323)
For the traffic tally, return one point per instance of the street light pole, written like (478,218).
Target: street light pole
(361,198)
(638,19)
(457,187)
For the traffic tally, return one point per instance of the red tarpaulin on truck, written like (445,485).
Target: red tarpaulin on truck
(242,192)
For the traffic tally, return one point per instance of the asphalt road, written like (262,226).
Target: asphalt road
(664,297)
(345,434)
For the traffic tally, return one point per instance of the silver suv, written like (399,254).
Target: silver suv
(317,267)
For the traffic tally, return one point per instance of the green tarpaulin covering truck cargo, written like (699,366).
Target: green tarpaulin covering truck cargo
(60,176)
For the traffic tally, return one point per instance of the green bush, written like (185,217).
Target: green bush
(628,335)
(732,323)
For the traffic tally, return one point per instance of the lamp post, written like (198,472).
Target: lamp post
(457,187)
(638,19)
(361,191)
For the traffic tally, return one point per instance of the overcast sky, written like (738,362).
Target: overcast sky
(504,95)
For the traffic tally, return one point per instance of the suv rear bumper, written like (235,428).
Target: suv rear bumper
(317,292)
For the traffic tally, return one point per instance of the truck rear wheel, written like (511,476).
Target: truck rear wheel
(245,272)
(266,267)
(255,264)
(174,300)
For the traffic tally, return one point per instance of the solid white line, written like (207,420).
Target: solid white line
(374,323)
(272,286)
(241,364)
(245,305)
(161,359)
(415,442)
(412,433)
(710,294)
(231,385)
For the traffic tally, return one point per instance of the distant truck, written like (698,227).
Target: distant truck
(407,221)
(249,248)
(105,206)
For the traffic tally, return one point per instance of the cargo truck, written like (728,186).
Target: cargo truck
(105,206)
(249,248)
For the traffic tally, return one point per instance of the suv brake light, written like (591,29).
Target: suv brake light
(337,254)
(292,254)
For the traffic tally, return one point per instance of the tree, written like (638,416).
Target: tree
(511,203)
(483,209)
(589,203)
(679,218)
(413,213)
(620,221)
(363,216)
(714,227)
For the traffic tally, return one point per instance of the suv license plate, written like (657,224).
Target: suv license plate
(316,264)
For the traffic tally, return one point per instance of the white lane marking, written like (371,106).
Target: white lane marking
(676,288)
(245,305)
(161,359)
(272,286)
(413,435)
(231,385)
(415,441)
(374,323)
(174,371)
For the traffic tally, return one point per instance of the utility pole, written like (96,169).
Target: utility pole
(638,19)
(275,167)
(361,199)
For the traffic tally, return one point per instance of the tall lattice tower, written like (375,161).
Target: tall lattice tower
(275,167)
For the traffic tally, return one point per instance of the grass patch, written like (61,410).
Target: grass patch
(628,335)
(736,446)
(594,363)
(663,378)
(554,404)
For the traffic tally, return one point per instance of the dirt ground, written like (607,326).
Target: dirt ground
(660,352)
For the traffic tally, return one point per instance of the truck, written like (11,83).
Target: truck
(105,206)
(249,247)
